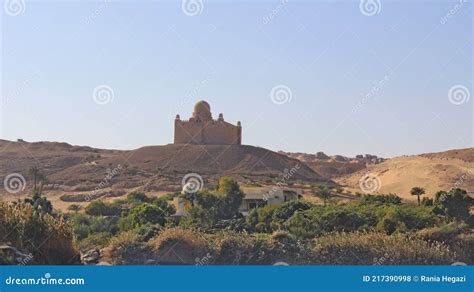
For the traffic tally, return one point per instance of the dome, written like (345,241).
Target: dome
(202,110)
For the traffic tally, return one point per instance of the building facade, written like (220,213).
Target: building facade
(202,129)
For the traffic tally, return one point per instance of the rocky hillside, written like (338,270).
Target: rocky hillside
(153,168)
(337,165)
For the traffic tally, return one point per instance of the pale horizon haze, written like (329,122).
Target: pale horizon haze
(301,76)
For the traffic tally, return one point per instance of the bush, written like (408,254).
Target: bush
(457,235)
(49,239)
(214,208)
(150,213)
(288,209)
(455,204)
(261,219)
(242,249)
(382,199)
(100,208)
(137,198)
(128,248)
(94,241)
(359,248)
(86,225)
(149,231)
(355,216)
(179,246)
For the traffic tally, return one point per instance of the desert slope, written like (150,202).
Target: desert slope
(154,168)
(433,171)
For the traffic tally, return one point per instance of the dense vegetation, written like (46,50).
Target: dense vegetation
(142,230)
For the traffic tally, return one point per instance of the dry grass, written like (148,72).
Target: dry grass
(48,239)
(127,248)
(360,248)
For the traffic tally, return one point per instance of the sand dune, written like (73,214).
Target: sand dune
(433,171)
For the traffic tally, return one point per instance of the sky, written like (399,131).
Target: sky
(382,77)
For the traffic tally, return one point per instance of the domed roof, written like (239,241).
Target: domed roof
(202,106)
(202,110)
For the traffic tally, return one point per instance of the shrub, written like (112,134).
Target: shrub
(260,219)
(464,245)
(149,231)
(382,199)
(444,233)
(457,235)
(100,208)
(137,198)
(148,213)
(392,222)
(86,225)
(74,208)
(288,209)
(49,239)
(231,248)
(179,246)
(128,248)
(208,208)
(290,249)
(94,241)
(356,216)
(455,204)
(360,248)
(242,249)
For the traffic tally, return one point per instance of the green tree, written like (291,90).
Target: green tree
(231,197)
(322,192)
(417,191)
(288,209)
(147,213)
(455,204)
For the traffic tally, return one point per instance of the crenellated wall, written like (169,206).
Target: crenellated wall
(213,132)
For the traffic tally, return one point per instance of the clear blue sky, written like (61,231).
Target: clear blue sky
(160,61)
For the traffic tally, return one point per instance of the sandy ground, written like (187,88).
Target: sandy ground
(399,175)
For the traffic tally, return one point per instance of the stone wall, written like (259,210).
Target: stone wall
(214,132)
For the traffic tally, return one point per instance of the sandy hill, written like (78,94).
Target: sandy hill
(335,166)
(433,171)
(153,168)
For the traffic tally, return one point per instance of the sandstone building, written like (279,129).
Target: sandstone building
(202,129)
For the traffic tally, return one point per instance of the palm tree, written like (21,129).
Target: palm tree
(417,191)
(34,172)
